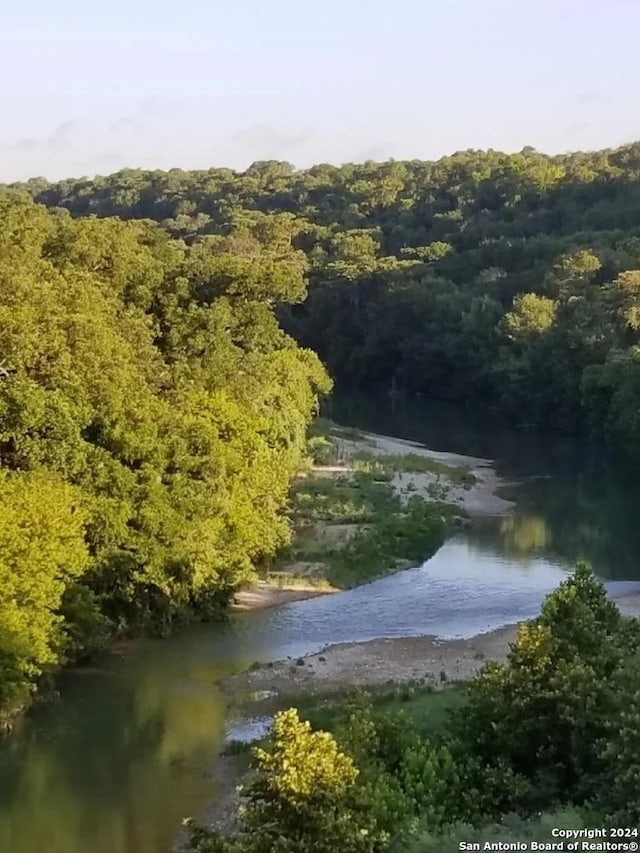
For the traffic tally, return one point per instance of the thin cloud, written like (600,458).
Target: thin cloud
(591,99)
(578,127)
(150,109)
(267,140)
(159,106)
(57,140)
(126,123)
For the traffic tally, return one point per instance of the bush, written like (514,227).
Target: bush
(321,450)
(304,797)
(511,829)
(546,711)
(618,796)
(425,777)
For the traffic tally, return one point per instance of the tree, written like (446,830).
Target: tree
(530,317)
(618,796)
(303,798)
(546,710)
(42,550)
(155,380)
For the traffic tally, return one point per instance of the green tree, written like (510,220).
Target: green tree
(618,795)
(155,380)
(304,797)
(42,550)
(546,710)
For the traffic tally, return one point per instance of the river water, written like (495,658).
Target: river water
(128,750)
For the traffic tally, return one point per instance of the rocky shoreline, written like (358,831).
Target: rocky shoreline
(377,662)
(372,664)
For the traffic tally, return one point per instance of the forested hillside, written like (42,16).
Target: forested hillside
(510,281)
(153,411)
(152,415)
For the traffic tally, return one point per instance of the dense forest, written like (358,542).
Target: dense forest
(496,280)
(152,415)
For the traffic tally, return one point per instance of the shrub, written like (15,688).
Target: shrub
(304,797)
(321,450)
(546,710)
(618,796)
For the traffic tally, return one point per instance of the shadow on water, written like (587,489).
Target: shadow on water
(129,749)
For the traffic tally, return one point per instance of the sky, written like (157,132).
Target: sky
(91,87)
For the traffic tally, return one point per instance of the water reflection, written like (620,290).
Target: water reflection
(525,534)
(119,762)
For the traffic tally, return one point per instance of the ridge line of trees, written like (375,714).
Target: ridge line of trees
(509,281)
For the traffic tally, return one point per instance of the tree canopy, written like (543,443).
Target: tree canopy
(501,280)
(152,415)
(157,347)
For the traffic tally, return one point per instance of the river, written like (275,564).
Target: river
(127,750)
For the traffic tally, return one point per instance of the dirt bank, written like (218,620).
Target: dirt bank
(380,661)
(478,500)
(376,662)
(262,595)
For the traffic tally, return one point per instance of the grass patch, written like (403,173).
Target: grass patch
(413,463)
(286,580)
(327,427)
(392,536)
(412,534)
(358,499)
(428,709)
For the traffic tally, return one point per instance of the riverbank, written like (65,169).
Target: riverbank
(427,659)
(263,595)
(469,482)
(371,664)
(320,689)
(353,517)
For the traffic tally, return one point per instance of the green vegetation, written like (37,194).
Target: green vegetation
(424,707)
(326,428)
(362,498)
(547,739)
(502,280)
(154,408)
(512,829)
(152,417)
(412,534)
(413,462)
(42,551)
(389,534)
(292,581)
(303,798)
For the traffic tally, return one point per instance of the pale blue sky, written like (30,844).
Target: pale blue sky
(89,87)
